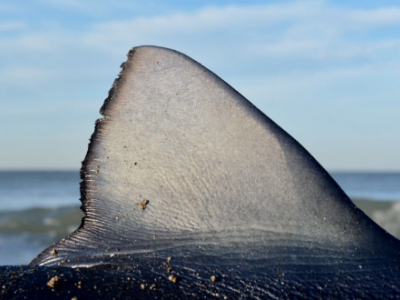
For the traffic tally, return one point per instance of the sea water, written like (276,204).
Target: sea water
(38,208)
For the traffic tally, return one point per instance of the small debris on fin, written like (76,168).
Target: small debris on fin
(143,204)
(54,282)
(173,278)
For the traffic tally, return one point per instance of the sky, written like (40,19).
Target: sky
(328,72)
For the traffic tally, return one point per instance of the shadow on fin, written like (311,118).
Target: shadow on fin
(182,165)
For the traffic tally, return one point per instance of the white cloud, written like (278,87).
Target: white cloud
(25,76)
(302,28)
(326,49)
(311,28)
(207,20)
(11,26)
(31,41)
(95,7)
(376,17)
(9,8)
(70,4)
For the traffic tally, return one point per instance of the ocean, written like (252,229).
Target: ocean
(38,208)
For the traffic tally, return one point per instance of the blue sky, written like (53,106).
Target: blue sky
(328,72)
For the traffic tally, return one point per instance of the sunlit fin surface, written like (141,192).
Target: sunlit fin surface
(182,165)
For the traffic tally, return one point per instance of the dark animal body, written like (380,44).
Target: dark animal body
(189,191)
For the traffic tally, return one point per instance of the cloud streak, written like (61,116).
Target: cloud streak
(290,29)
(11,26)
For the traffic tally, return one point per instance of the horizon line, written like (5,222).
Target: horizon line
(78,170)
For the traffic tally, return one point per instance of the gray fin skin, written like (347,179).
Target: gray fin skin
(184,166)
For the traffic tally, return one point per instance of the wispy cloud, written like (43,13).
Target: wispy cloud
(71,4)
(11,26)
(95,7)
(314,28)
(26,76)
(205,21)
(9,7)
(376,17)
(284,34)
(303,26)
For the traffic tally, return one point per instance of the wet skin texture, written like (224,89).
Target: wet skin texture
(185,179)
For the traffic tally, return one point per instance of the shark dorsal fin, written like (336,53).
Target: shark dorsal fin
(182,162)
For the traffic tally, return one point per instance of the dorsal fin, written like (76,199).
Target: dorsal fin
(183,161)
